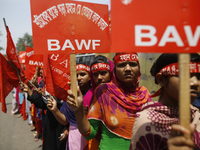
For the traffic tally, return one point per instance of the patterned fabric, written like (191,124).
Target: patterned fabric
(116,106)
(153,125)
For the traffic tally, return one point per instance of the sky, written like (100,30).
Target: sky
(17,14)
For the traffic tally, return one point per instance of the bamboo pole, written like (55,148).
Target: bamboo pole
(73,76)
(184,91)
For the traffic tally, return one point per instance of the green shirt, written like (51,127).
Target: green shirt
(109,141)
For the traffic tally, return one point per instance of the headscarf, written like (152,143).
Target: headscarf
(116,106)
(87,98)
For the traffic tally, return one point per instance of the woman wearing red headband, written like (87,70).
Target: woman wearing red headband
(114,105)
(66,115)
(159,121)
(83,78)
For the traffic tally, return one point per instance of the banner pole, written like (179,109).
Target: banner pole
(184,91)
(4,20)
(73,76)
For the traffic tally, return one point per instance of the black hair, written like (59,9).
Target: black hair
(166,59)
(99,59)
(84,63)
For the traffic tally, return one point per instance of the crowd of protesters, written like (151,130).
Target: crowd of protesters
(113,111)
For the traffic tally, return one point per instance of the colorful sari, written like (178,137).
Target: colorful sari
(116,106)
(93,144)
(152,128)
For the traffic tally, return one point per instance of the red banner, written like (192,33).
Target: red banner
(155,26)
(57,75)
(65,26)
(22,55)
(32,61)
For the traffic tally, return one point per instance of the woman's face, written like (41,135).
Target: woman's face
(127,71)
(83,78)
(172,87)
(102,76)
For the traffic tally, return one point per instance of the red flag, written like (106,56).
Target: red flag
(57,74)
(31,61)
(11,52)
(8,80)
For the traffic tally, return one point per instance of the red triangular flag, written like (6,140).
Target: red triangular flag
(56,75)
(8,80)
(11,52)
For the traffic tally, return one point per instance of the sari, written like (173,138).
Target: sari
(153,125)
(116,106)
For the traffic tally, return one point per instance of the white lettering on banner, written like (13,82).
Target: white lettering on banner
(54,57)
(53,12)
(166,38)
(53,44)
(35,63)
(58,71)
(65,63)
(68,8)
(171,30)
(22,55)
(150,35)
(30,53)
(66,76)
(192,40)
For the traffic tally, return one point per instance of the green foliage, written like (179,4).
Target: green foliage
(27,40)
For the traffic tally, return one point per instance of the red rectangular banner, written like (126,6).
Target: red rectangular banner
(155,26)
(22,55)
(65,26)
(31,61)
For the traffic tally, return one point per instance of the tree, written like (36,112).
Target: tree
(27,40)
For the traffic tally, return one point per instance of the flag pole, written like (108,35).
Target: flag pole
(4,20)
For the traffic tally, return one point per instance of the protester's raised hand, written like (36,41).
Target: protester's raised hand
(25,88)
(177,141)
(39,91)
(35,81)
(51,104)
(71,100)
(21,86)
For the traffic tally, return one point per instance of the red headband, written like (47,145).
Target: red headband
(126,57)
(82,67)
(100,66)
(172,69)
